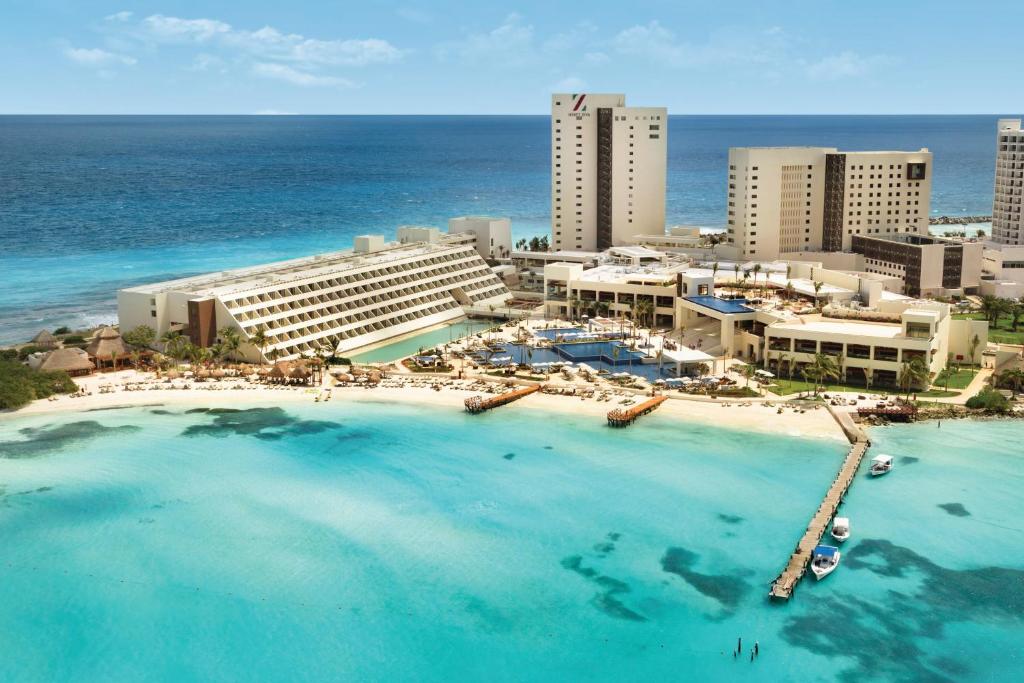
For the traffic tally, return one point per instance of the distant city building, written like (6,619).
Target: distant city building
(1009,185)
(342,300)
(493,235)
(794,199)
(928,266)
(608,165)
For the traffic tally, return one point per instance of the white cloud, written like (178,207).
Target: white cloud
(843,65)
(730,46)
(417,16)
(510,44)
(268,43)
(207,62)
(119,16)
(595,58)
(95,57)
(569,84)
(283,72)
(174,29)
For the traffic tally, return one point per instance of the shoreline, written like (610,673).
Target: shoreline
(753,416)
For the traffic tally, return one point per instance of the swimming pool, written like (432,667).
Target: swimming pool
(597,355)
(426,340)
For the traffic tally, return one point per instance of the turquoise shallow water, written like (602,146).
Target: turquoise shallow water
(368,541)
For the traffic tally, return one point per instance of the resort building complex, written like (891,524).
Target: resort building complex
(794,199)
(608,166)
(339,301)
(927,265)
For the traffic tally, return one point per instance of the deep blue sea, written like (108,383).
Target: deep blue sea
(372,541)
(92,204)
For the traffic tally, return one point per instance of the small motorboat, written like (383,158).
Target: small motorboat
(824,560)
(880,464)
(841,528)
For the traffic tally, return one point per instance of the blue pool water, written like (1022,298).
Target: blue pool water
(598,355)
(424,340)
(91,204)
(721,305)
(371,541)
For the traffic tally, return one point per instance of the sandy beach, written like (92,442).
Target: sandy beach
(756,416)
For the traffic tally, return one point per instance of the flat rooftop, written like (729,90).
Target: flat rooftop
(852,327)
(720,305)
(279,272)
(623,274)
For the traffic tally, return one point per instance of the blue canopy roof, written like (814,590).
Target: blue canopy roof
(826,550)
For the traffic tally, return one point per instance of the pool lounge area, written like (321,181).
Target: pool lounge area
(598,355)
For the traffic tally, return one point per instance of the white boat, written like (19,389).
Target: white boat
(880,464)
(841,528)
(824,560)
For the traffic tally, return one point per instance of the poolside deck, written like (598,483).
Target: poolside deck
(479,404)
(624,418)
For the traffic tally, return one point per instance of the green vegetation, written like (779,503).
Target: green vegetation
(62,330)
(20,384)
(1011,379)
(784,387)
(990,401)
(26,351)
(955,378)
(74,340)
(1005,318)
(937,393)
(141,337)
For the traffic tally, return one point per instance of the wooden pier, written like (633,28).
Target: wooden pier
(903,412)
(784,585)
(478,404)
(623,418)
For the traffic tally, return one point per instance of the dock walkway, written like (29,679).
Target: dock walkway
(478,404)
(622,418)
(784,585)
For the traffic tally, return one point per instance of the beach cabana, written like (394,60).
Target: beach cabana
(107,347)
(71,360)
(45,340)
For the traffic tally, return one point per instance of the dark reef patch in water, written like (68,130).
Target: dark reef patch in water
(548,448)
(908,460)
(881,637)
(46,440)
(509,456)
(727,589)
(268,424)
(955,509)
(161,411)
(195,411)
(729,519)
(606,599)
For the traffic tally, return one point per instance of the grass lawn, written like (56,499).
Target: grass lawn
(938,393)
(1001,332)
(784,387)
(958,379)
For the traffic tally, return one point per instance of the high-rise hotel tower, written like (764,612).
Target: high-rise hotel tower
(1007,227)
(607,171)
(791,199)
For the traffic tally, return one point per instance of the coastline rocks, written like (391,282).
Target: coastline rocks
(958,220)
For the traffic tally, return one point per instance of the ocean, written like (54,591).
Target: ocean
(92,204)
(360,540)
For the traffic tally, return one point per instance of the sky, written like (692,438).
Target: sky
(444,57)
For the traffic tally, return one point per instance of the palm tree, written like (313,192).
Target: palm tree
(868,376)
(570,304)
(230,341)
(817,290)
(990,307)
(259,340)
(757,269)
(944,377)
(736,273)
(913,374)
(113,359)
(975,341)
(1013,378)
(823,368)
(714,270)
(748,371)
(790,289)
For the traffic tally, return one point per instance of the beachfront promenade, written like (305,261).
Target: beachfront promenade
(784,585)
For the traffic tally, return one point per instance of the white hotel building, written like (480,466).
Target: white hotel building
(344,300)
(608,169)
(1007,226)
(784,200)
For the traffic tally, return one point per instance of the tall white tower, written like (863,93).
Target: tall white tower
(608,167)
(1006,216)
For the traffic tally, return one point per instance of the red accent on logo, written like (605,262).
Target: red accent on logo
(579,102)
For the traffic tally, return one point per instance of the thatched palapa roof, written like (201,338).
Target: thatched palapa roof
(44,338)
(105,343)
(68,360)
